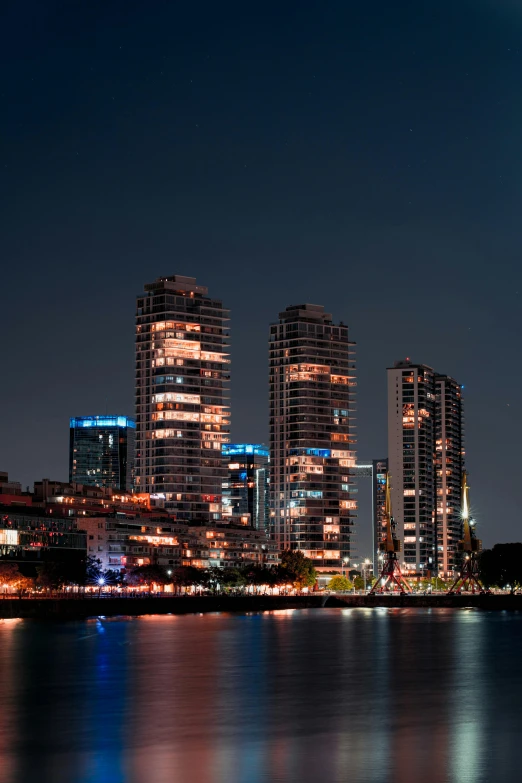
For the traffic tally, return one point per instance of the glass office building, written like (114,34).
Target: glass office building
(101,451)
(245,490)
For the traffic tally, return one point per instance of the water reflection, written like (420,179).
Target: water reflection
(352,695)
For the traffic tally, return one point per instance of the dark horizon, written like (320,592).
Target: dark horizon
(363,158)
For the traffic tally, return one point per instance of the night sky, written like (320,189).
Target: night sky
(361,155)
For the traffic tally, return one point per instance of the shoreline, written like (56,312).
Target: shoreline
(60,609)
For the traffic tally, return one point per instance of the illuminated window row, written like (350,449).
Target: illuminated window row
(161,326)
(315,368)
(174,397)
(175,415)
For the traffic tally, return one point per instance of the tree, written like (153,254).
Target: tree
(359,583)
(438,584)
(93,570)
(212,577)
(188,576)
(233,578)
(52,575)
(147,575)
(502,566)
(300,568)
(339,584)
(112,578)
(257,575)
(11,576)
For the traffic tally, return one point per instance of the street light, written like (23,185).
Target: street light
(365,571)
(345,562)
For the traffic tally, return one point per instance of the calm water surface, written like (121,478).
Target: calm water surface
(398,696)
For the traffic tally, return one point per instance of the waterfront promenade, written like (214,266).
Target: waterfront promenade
(79,607)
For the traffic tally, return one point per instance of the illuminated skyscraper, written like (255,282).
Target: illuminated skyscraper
(101,451)
(245,490)
(311,391)
(449,464)
(425,452)
(182,411)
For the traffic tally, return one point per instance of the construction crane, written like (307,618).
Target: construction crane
(468,578)
(391,577)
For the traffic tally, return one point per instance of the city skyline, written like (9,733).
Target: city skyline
(364,520)
(260,401)
(360,157)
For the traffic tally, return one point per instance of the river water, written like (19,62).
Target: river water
(326,695)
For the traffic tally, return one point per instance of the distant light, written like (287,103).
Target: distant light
(79,422)
(229,449)
(326,453)
(101,581)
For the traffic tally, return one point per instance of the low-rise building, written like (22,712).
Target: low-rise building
(126,542)
(227,546)
(28,535)
(122,531)
(121,542)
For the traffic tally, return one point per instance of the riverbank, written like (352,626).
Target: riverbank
(92,606)
(81,607)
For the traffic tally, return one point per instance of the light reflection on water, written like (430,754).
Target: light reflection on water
(369,695)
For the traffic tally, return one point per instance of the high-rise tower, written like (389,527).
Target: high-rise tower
(425,452)
(449,466)
(182,411)
(311,392)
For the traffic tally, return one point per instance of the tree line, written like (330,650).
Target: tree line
(500,567)
(295,570)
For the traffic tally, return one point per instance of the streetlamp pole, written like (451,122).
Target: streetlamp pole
(365,571)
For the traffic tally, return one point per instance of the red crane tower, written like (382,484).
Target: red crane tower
(468,578)
(391,576)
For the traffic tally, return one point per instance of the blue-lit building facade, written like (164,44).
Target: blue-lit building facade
(312,487)
(101,451)
(246,487)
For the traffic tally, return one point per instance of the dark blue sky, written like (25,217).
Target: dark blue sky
(361,155)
